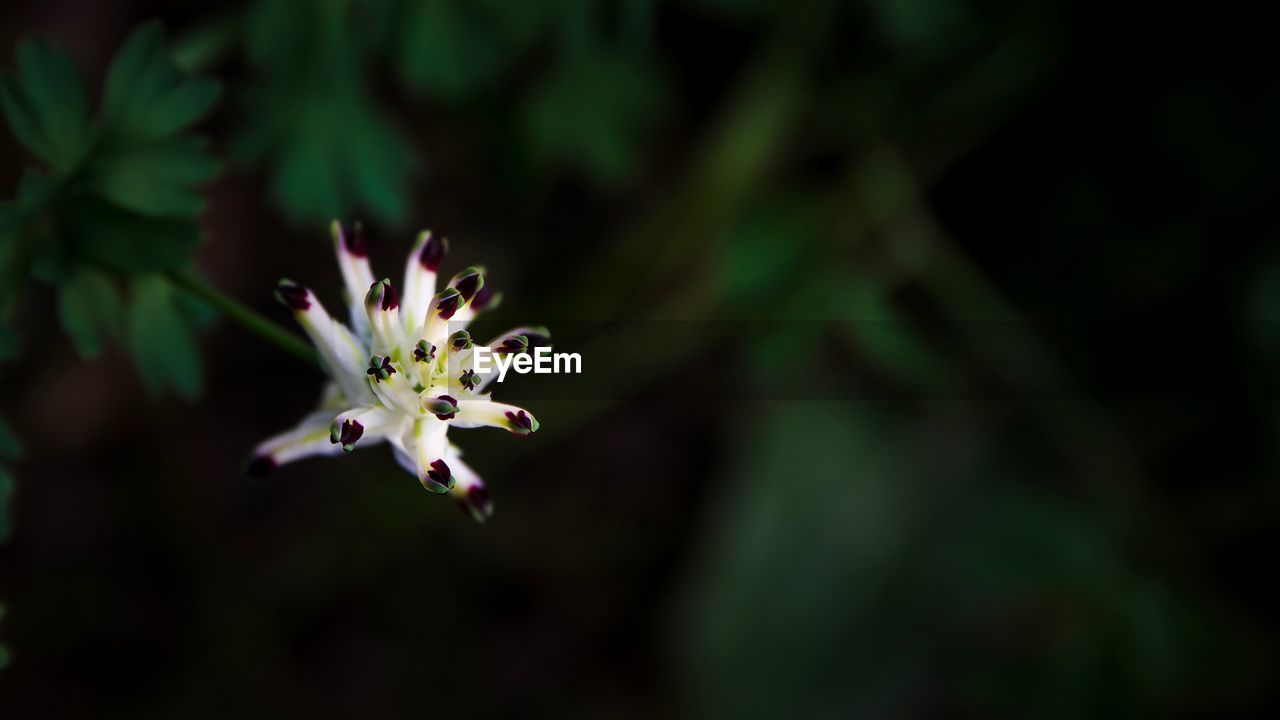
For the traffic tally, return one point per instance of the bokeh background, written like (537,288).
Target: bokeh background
(930,358)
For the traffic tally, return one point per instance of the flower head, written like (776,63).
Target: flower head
(402,371)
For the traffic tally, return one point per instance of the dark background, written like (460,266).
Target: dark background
(930,357)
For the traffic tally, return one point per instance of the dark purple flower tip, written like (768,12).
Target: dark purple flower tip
(260,465)
(469,379)
(447,303)
(443,407)
(292,295)
(513,344)
(476,503)
(380,368)
(439,478)
(460,340)
(384,294)
(484,296)
(468,282)
(390,298)
(521,423)
(424,351)
(352,430)
(353,240)
(433,252)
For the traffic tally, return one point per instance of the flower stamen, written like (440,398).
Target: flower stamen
(380,368)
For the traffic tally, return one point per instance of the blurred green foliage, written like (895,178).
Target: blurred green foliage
(591,114)
(310,114)
(887,551)
(110,211)
(115,204)
(453,50)
(845,580)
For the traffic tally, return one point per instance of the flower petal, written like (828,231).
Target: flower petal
(427,441)
(393,388)
(420,278)
(382,307)
(486,413)
(310,437)
(470,286)
(368,424)
(469,490)
(468,282)
(341,354)
(443,307)
(353,260)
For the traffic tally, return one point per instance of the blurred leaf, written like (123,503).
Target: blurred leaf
(839,528)
(142,166)
(10,344)
(334,152)
(593,115)
(146,94)
(154,178)
(46,106)
(34,229)
(90,311)
(128,207)
(10,449)
(761,259)
(161,340)
(127,242)
(1093,626)
(338,160)
(200,313)
(888,337)
(916,25)
(36,191)
(451,49)
(805,536)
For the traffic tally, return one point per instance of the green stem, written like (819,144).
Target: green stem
(248,319)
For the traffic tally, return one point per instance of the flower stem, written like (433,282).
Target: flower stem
(248,319)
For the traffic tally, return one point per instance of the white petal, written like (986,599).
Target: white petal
(486,413)
(342,355)
(369,424)
(403,458)
(309,438)
(420,279)
(382,308)
(353,261)
(427,442)
(443,307)
(469,283)
(395,392)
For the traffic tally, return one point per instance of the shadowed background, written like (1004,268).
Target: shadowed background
(929,356)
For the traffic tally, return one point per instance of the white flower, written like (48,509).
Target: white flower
(402,372)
